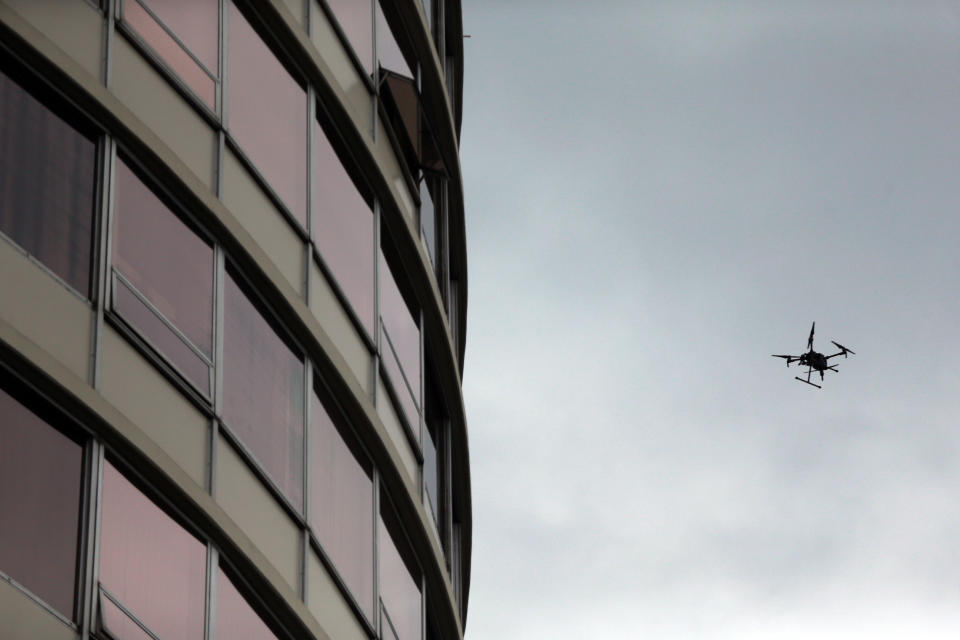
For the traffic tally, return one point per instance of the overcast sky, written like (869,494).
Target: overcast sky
(659,196)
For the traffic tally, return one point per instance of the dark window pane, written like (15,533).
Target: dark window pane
(388,51)
(46,185)
(343,229)
(356,20)
(342,503)
(399,578)
(171,266)
(431,475)
(428,219)
(403,334)
(263,392)
(40,473)
(196,24)
(150,563)
(235,618)
(268,114)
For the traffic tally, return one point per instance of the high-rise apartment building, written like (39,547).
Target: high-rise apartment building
(232,314)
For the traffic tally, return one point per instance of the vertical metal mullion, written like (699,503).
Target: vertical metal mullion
(219,280)
(376,552)
(375,369)
(92,537)
(213,564)
(305,542)
(106,60)
(107,175)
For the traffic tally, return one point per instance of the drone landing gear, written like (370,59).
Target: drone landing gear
(808,382)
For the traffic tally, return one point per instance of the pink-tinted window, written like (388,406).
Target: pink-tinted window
(46,185)
(343,229)
(400,345)
(235,618)
(388,51)
(263,393)
(195,24)
(39,505)
(399,578)
(267,114)
(356,20)
(150,564)
(171,267)
(341,509)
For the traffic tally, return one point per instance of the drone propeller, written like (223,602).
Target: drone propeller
(810,339)
(844,349)
(789,359)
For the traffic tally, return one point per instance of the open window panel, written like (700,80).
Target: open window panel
(162,279)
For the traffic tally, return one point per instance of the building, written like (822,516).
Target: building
(232,315)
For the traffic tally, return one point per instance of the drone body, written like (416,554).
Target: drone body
(815,361)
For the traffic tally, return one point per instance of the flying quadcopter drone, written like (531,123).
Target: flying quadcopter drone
(815,361)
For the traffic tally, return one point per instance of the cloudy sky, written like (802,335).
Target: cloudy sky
(661,194)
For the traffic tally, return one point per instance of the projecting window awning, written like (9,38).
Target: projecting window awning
(409,122)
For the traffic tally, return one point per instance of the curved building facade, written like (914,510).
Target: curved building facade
(232,320)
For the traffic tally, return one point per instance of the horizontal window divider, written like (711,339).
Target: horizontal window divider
(116,601)
(186,341)
(411,436)
(348,46)
(258,470)
(38,600)
(262,182)
(331,568)
(342,297)
(406,381)
(36,261)
(167,369)
(173,35)
(171,76)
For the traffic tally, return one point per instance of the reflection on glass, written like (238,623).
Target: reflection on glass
(399,578)
(150,563)
(343,229)
(341,509)
(403,336)
(236,620)
(268,114)
(196,24)
(356,20)
(263,392)
(46,185)
(39,505)
(171,267)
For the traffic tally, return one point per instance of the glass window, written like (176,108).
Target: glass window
(149,564)
(356,20)
(341,509)
(431,469)
(400,345)
(165,289)
(40,479)
(343,229)
(428,218)
(388,51)
(267,114)
(47,178)
(185,35)
(235,618)
(399,579)
(263,392)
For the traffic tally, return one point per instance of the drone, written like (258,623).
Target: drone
(815,361)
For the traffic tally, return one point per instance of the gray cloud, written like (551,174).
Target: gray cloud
(659,195)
